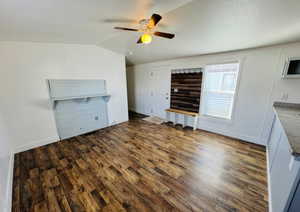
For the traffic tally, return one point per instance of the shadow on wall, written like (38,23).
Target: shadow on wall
(131,87)
(44,104)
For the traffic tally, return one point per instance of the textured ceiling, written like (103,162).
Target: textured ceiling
(201,26)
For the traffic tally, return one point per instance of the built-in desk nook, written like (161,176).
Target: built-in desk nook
(185,95)
(185,114)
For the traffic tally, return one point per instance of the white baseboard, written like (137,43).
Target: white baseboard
(264,141)
(251,139)
(35,144)
(116,123)
(9,186)
(46,141)
(269,182)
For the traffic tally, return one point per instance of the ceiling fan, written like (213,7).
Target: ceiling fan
(147,28)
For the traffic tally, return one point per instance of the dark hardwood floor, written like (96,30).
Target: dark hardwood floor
(138,166)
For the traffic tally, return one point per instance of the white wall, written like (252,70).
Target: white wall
(6,160)
(260,84)
(25,67)
(27,119)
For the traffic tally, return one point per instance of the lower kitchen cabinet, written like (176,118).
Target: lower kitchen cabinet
(283,172)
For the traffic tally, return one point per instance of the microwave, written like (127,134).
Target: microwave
(291,68)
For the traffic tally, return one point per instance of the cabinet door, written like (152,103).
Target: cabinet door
(274,141)
(76,117)
(283,175)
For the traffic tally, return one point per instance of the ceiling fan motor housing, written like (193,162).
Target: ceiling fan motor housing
(144,24)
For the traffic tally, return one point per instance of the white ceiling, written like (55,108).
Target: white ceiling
(201,26)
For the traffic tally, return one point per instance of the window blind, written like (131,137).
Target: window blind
(219,90)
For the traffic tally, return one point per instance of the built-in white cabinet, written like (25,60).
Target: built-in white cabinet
(80,106)
(283,171)
(274,140)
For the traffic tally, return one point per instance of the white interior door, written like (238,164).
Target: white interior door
(160,92)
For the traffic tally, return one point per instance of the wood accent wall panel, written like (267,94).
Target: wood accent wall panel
(185,91)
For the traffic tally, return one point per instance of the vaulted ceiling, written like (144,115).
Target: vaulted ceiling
(201,26)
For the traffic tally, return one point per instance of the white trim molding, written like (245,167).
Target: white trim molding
(9,188)
(247,138)
(186,71)
(9,185)
(34,144)
(269,181)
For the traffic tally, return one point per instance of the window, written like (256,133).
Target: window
(219,90)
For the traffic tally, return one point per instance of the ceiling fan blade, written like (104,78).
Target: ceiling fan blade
(119,20)
(124,28)
(164,35)
(155,18)
(140,40)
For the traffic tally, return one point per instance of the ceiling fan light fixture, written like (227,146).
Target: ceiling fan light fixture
(147,28)
(146,38)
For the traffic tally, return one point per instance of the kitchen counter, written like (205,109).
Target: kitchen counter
(289,117)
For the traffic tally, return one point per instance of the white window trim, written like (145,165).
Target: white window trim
(235,97)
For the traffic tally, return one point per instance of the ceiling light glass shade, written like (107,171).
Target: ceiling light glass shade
(146,38)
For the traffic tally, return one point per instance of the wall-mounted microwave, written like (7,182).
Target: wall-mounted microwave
(291,68)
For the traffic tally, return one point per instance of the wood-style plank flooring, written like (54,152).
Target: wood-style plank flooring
(138,166)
